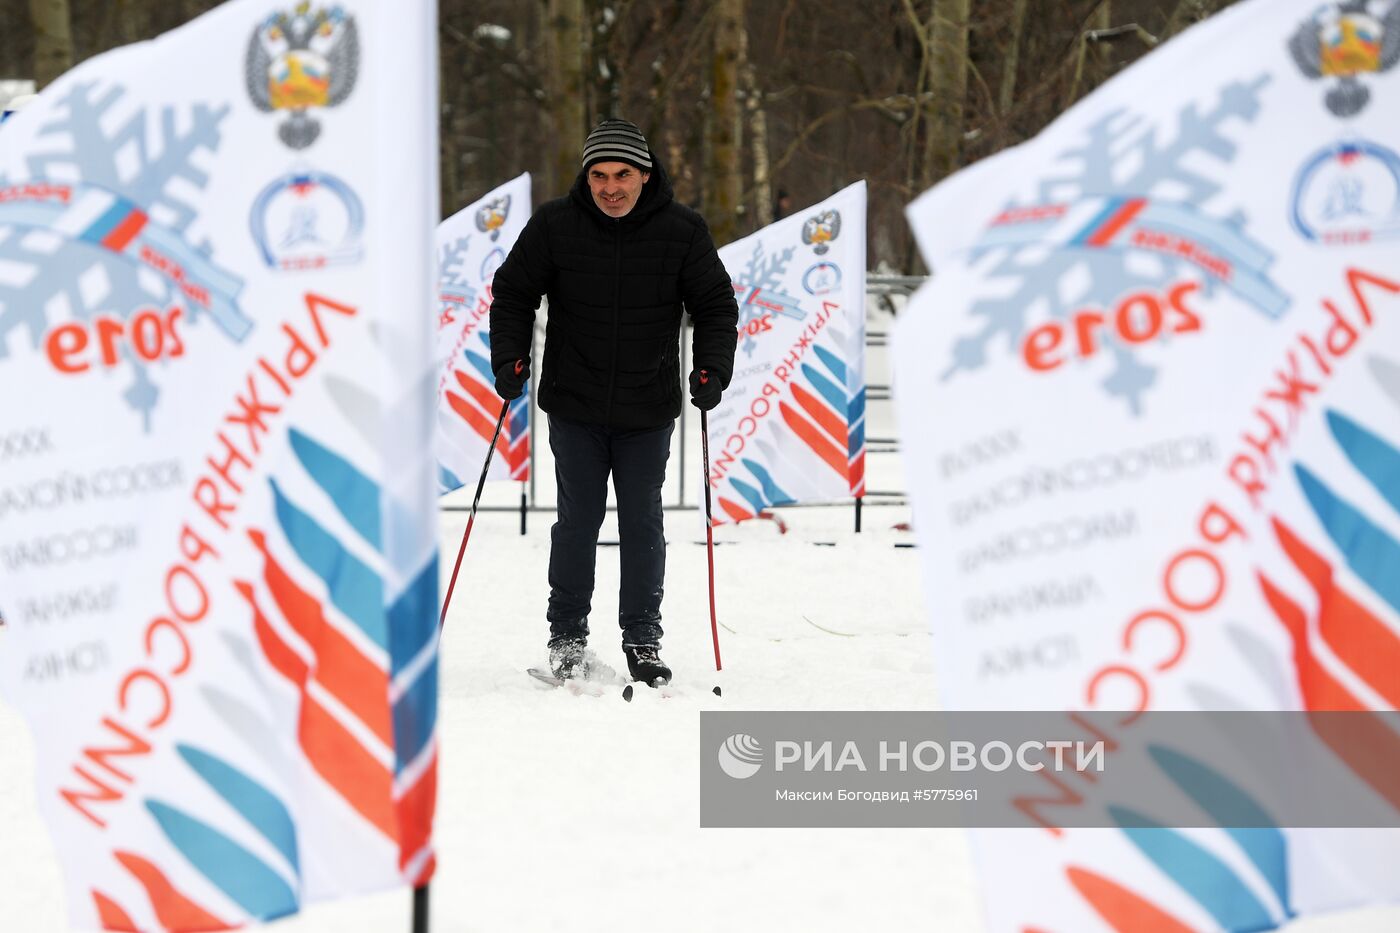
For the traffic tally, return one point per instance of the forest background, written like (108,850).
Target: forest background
(756,107)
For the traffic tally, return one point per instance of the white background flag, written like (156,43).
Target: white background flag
(472,244)
(791,426)
(218,545)
(1151,402)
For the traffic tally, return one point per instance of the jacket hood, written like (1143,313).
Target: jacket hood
(656,194)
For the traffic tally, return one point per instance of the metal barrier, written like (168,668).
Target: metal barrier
(884,287)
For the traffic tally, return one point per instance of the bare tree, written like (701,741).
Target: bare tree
(818,93)
(568,41)
(758,143)
(1012,57)
(1100,19)
(604,72)
(947,37)
(723,181)
(53,39)
(1189,12)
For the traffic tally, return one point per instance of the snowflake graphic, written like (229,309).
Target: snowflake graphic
(453,275)
(758,290)
(1123,159)
(62,276)
(764,271)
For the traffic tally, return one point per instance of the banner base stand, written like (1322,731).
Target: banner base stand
(420,909)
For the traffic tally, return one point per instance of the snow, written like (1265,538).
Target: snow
(10,88)
(559,811)
(491,32)
(579,813)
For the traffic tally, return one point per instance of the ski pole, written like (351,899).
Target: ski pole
(709,522)
(480,484)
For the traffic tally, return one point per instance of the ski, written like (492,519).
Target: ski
(573,684)
(596,688)
(662,690)
(597,678)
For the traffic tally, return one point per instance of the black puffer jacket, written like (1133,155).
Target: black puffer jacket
(616,288)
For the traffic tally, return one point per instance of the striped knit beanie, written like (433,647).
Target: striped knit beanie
(617,141)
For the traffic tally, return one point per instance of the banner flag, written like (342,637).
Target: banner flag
(1150,402)
(472,244)
(218,535)
(791,425)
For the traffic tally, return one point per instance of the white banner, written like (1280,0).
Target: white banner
(217,521)
(1151,407)
(791,425)
(472,244)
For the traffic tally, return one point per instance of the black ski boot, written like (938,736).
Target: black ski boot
(566,656)
(644,664)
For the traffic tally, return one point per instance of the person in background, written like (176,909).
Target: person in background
(782,205)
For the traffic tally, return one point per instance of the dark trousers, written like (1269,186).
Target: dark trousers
(584,455)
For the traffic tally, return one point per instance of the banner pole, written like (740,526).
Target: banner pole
(420,909)
(524,508)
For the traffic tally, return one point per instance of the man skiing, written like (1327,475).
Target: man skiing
(619,259)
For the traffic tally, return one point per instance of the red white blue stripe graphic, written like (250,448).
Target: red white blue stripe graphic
(363,665)
(474,405)
(820,425)
(90,214)
(1357,638)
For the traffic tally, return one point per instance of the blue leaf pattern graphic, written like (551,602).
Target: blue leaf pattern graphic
(258,805)
(1265,846)
(355,496)
(1199,873)
(1369,551)
(354,588)
(245,878)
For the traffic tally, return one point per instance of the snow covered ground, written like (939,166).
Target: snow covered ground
(579,813)
(573,813)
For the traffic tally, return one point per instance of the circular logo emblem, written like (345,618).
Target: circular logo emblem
(1348,193)
(741,756)
(822,279)
(308,220)
(491,263)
